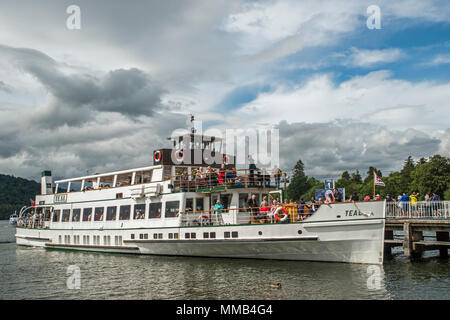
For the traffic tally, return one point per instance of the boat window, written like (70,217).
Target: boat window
(187,235)
(66,215)
(98,215)
(205,235)
(189,204)
(111,213)
(132,236)
(139,211)
(226,200)
(124,179)
(226,235)
(193,235)
(154,210)
(62,187)
(234,234)
(125,212)
(199,204)
(76,215)
(87,213)
(172,208)
(212,235)
(48,214)
(56,214)
(144,176)
(243,197)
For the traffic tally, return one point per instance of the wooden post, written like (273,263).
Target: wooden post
(407,243)
(416,235)
(388,235)
(444,237)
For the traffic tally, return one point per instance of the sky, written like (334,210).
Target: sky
(342,95)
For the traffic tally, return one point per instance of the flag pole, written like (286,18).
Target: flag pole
(374,185)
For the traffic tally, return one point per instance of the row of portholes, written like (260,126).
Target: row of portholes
(260,232)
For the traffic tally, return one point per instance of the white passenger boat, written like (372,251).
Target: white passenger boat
(168,209)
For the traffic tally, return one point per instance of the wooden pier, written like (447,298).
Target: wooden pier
(413,241)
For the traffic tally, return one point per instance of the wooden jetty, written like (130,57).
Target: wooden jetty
(413,241)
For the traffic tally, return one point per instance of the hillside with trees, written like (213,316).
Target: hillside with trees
(15,193)
(423,176)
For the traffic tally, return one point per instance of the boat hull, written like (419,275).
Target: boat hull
(342,232)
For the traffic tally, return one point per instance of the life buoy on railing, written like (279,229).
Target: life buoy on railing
(157,156)
(286,215)
(179,155)
(203,220)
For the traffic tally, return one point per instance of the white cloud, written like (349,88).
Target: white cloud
(368,58)
(375,97)
(440,59)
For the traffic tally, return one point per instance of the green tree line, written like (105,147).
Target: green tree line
(15,193)
(424,176)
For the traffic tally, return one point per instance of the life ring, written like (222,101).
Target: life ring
(157,156)
(177,153)
(203,220)
(286,215)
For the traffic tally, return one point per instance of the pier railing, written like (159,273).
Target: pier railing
(420,209)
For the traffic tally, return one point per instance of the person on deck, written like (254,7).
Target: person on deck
(337,195)
(222,174)
(252,206)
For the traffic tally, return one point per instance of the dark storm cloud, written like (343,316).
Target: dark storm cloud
(327,149)
(129,92)
(4,87)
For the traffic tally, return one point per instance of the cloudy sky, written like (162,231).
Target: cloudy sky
(103,97)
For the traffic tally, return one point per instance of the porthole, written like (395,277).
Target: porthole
(299,231)
(260,233)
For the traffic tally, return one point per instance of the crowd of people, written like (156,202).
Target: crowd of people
(31,220)
(210,177)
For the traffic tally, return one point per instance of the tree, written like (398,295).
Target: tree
(431,176)
(299,182)
(356,177)
(345,175)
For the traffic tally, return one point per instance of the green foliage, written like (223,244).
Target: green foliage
(15,193)
(427,175)
(299,183)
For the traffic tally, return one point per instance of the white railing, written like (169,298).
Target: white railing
(421,209)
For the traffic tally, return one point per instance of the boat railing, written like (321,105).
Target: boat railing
(419,209)
(227,178)
(282,213)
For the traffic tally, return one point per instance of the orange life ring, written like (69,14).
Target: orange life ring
(157,159)
(285,214)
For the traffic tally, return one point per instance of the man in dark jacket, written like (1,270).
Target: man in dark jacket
(253,206)
(337,195)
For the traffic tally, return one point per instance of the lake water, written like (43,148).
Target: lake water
(34,273)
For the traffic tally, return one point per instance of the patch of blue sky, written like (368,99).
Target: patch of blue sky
(419,44)
(242,95)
